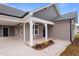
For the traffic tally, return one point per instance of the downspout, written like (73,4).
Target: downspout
(70,30)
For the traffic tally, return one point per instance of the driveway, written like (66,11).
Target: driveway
(12,47)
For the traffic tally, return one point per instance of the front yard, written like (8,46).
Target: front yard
(72,49)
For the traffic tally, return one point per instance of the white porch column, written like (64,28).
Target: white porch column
(46,32)
(24,32)
(31,33)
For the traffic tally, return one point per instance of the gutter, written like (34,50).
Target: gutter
(14,15)
(62,20)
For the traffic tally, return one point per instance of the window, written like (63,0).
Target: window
(35,29)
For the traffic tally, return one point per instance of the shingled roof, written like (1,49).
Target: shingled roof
(10,11)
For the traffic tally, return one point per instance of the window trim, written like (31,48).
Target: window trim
(35,29)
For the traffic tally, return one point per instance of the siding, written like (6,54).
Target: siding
(0,31)
(61,30)
(27,30)
(18,28)
(11,31)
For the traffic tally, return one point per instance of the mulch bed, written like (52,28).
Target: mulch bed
(43,45)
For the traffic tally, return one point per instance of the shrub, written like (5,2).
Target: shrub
(45,42)
(77,36)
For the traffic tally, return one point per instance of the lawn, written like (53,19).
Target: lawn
(72,49)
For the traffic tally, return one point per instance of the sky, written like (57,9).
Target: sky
(63,7)
(27,6)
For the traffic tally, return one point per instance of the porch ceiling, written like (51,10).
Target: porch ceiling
(9,23)
(39,20)
(5,20)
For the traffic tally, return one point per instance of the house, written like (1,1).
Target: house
(77,29)
(46,22)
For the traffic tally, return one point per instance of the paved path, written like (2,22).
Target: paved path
(13,47)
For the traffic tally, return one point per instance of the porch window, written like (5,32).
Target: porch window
(35,29)
(21,29)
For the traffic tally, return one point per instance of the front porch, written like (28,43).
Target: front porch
(43,30)
(8,25)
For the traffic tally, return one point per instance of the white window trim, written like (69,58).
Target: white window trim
(36,29)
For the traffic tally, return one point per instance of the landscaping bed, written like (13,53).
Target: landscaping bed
(43,45)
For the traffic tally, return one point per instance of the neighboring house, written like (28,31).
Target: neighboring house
(45,22)
(77,28)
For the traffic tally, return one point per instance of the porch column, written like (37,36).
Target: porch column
(24,32)
(31,33)
(46,32)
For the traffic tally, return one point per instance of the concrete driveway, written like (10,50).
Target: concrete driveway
(12,47)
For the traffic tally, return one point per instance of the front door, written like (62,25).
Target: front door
(5,32)
(44,31)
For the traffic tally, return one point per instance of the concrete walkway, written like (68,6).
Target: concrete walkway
(13,47)
(56,48)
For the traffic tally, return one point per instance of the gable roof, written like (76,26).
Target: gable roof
(37,10)
(71,15)
(13,12)
(54,5)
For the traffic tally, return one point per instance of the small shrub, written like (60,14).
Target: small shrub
(46,42)
(77,36)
